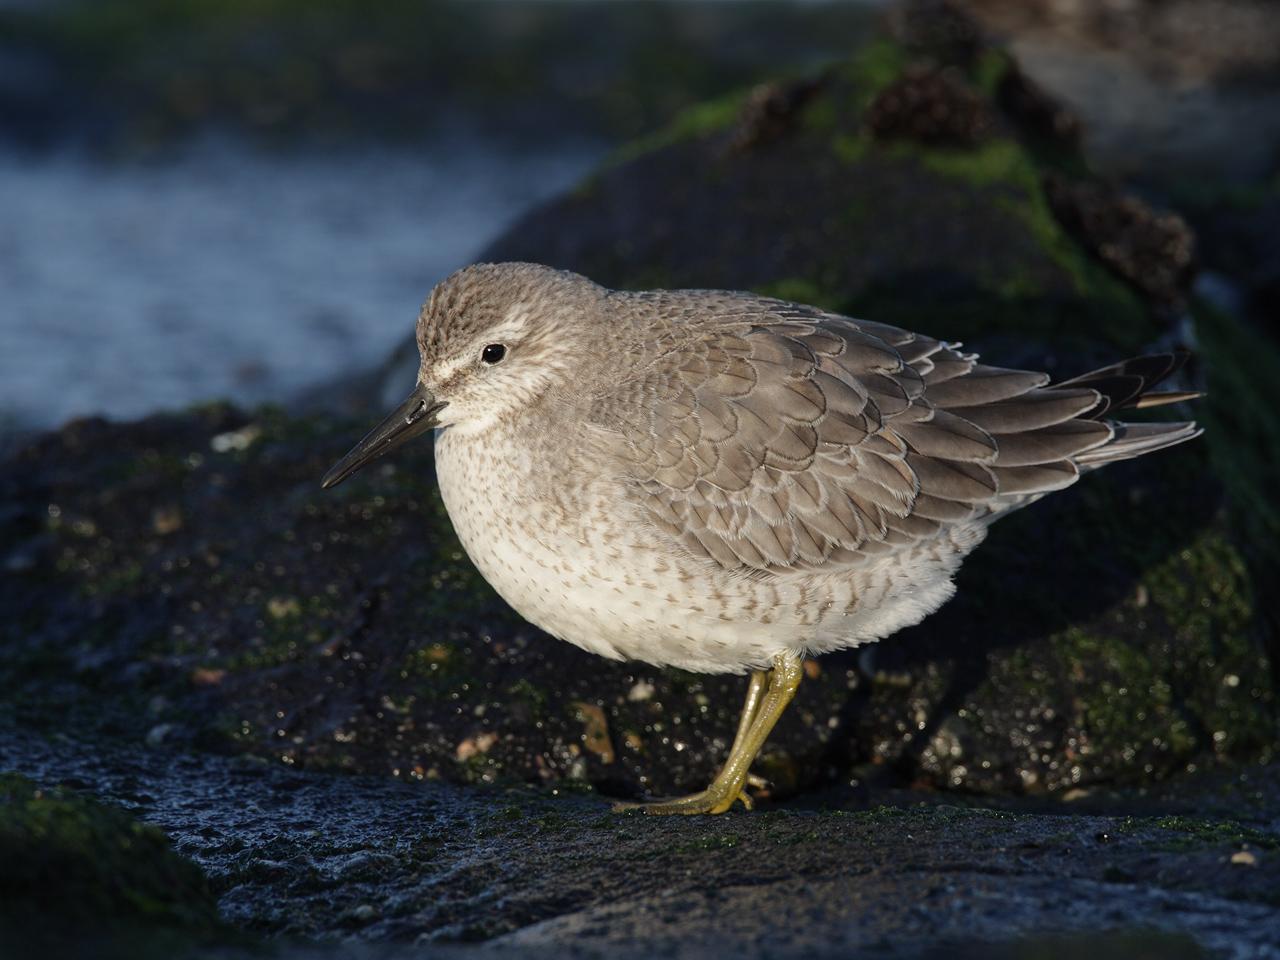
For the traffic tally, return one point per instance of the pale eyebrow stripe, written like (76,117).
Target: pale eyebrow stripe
(515,322)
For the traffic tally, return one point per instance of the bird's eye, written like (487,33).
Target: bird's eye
(493,353)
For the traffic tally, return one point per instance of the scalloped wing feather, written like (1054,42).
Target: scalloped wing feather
(774,438)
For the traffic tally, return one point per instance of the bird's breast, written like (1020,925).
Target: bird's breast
(570,557)
(525,536)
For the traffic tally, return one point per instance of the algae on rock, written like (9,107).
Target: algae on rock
(73,867)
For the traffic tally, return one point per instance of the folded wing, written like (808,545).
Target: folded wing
(778,438)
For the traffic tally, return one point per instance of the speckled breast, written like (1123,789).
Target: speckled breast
(569,558)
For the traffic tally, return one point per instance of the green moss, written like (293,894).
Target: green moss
(821,115)
(1243,431)
(1129,707)
(851,148)
(70,861)
(699,120)
(988,70)
(1000,160)
(1192,832)
(433,661)
(1218,831)
(1004,162)
(534,698)
(1175,671)
(798,290)
(876,66)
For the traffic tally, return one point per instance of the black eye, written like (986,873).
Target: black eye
(493,353)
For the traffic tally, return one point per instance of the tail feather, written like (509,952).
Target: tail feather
(1046,437)
(1134,439)
(1122,385)
(1128,386)
(1162,397)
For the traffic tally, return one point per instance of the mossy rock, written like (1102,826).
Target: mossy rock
(804,201)
(187,572)
(74,868)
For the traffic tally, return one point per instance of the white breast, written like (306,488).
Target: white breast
(572,566)
(571,563)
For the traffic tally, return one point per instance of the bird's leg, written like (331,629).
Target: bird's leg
(756,688)
(755,691)
(767,697)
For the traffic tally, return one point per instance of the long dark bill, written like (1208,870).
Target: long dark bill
(411,419)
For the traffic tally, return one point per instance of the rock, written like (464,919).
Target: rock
(828,214)
(1239,229)
(930,106)
(1152,251)
(1092,640)
(298,856)
(1166,88)
(73,871)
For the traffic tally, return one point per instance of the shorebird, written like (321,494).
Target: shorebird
(729,483)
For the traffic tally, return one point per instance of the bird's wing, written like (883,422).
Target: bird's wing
(779,438)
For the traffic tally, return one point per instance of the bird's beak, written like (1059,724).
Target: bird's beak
(411,419)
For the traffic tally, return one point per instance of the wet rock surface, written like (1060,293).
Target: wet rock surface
(311,855)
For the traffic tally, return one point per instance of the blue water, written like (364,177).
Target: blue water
(227,272)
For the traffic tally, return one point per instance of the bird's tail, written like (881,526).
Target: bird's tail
(1128,385)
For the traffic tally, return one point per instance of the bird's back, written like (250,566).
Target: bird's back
(775,438)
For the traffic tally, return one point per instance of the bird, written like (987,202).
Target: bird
(730,483)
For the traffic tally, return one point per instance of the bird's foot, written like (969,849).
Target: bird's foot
(767,696)
(711,800)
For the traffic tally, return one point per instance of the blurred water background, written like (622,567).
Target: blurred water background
(243,199)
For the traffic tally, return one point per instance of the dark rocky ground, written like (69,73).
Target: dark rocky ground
(531,873)
(319,701)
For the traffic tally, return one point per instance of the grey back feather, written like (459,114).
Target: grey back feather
(776,438)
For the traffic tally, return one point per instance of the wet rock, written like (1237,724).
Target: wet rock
(1119,633)
(71,867)
(320,855)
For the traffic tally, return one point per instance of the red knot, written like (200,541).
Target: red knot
(729,483)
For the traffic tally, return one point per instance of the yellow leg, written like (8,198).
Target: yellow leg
(756,688)
(767,697)
(755,692)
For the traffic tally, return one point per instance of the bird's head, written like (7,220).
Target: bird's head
(493,338)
